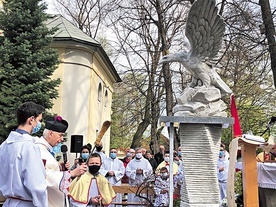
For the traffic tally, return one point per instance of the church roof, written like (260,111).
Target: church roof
(69,32)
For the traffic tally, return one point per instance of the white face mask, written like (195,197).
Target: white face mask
(164,175)
(167,159)
(139,155)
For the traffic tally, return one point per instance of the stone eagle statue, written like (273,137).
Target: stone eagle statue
(204,30)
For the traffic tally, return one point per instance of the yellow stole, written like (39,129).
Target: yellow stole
(80,187)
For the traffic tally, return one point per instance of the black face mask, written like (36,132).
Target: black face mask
(99,149)
(93,169)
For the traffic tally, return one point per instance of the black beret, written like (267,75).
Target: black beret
(56,124)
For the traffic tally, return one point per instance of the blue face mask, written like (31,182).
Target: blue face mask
(221,154)
(113,155)
(84,155)
(37,128)
(57,149)
(179,153)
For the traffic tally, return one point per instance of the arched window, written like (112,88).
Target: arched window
(100,89)
(105,98)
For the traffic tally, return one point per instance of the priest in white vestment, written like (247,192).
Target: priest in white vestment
(137,170)
(113,169)
(57,181)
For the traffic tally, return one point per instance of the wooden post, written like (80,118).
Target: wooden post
(250,175)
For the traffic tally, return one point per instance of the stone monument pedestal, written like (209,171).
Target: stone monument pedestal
(200,139)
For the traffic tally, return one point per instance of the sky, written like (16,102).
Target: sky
(50,9)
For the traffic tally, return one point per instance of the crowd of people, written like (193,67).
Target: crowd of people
(31,176)
(139,164)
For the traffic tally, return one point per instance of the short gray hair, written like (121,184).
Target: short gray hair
(138,148)
(46,133)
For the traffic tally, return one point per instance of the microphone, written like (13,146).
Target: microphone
(64,153)
(270,124)
(272,121)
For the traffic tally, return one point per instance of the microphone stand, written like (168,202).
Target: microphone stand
(267,128)
(269,125)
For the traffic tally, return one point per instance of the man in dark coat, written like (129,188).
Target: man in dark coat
(151,160)
(159,156)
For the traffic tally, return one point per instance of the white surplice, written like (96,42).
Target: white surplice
(22,174)
(57,181)
(117,166)
(135,179)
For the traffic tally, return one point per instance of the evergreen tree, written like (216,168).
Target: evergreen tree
(26,60)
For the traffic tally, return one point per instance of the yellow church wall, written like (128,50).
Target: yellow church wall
(79,103)
(103,100)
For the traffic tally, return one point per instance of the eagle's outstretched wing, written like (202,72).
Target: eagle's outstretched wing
(204,29)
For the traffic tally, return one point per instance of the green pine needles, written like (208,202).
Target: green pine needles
(26,60)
